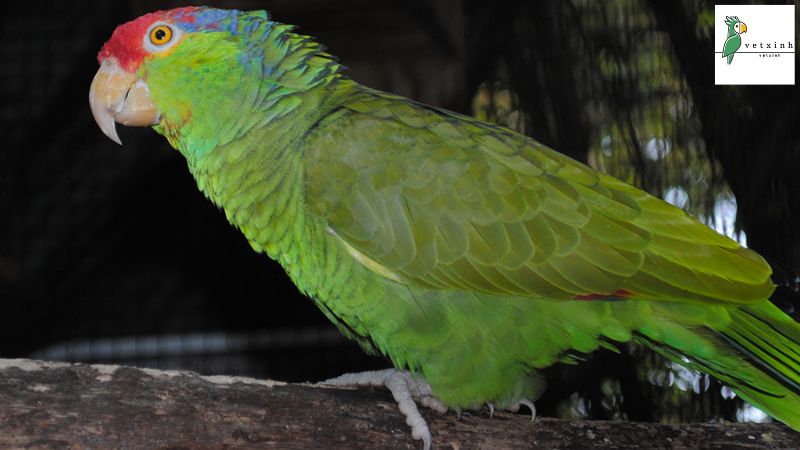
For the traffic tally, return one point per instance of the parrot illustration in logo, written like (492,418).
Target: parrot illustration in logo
(734,40)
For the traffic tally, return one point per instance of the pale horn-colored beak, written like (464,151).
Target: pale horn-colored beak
(117,95)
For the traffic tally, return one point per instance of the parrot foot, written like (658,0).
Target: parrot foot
(406,390)
(515,408)
(523,402)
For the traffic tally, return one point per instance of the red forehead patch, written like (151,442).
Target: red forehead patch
(127,42)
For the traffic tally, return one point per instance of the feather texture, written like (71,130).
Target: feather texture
(466,205)
(461,250)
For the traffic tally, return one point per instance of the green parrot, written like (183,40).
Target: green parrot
(734,40)
(471,256)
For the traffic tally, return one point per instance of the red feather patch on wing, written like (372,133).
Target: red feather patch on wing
(619,294)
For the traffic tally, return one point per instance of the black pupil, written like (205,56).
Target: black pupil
(160,34)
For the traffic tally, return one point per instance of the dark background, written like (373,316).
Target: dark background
(111,254)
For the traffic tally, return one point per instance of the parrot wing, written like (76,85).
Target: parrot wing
(430,198)
(731,45)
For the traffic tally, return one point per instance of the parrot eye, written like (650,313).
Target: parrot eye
(160,37)
(736,27)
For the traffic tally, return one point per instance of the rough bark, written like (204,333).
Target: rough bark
(57,405)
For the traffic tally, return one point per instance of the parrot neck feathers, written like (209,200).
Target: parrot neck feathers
(291,60)
(270,74)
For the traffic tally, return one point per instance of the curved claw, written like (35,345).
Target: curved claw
(524,402)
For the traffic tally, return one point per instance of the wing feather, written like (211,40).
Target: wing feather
(447,202)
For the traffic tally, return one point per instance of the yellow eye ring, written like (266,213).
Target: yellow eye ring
(160,35)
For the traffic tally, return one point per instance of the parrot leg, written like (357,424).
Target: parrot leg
(491,409)
(524,402)
(406,390)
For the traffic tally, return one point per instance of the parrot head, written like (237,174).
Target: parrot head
(198,75)
(735,26)
(153,68)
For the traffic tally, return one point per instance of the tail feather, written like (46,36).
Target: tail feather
(767,345)
(757,354)
(769,341)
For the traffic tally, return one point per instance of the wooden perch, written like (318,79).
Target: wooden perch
(49,405)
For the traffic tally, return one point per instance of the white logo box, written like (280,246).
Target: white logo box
(767,53)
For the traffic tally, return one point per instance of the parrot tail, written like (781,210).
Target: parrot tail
(757,354)
(770,343)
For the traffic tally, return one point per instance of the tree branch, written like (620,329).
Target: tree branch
(45,404)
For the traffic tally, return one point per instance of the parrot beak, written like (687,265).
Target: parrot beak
(117,95)
(743,28)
